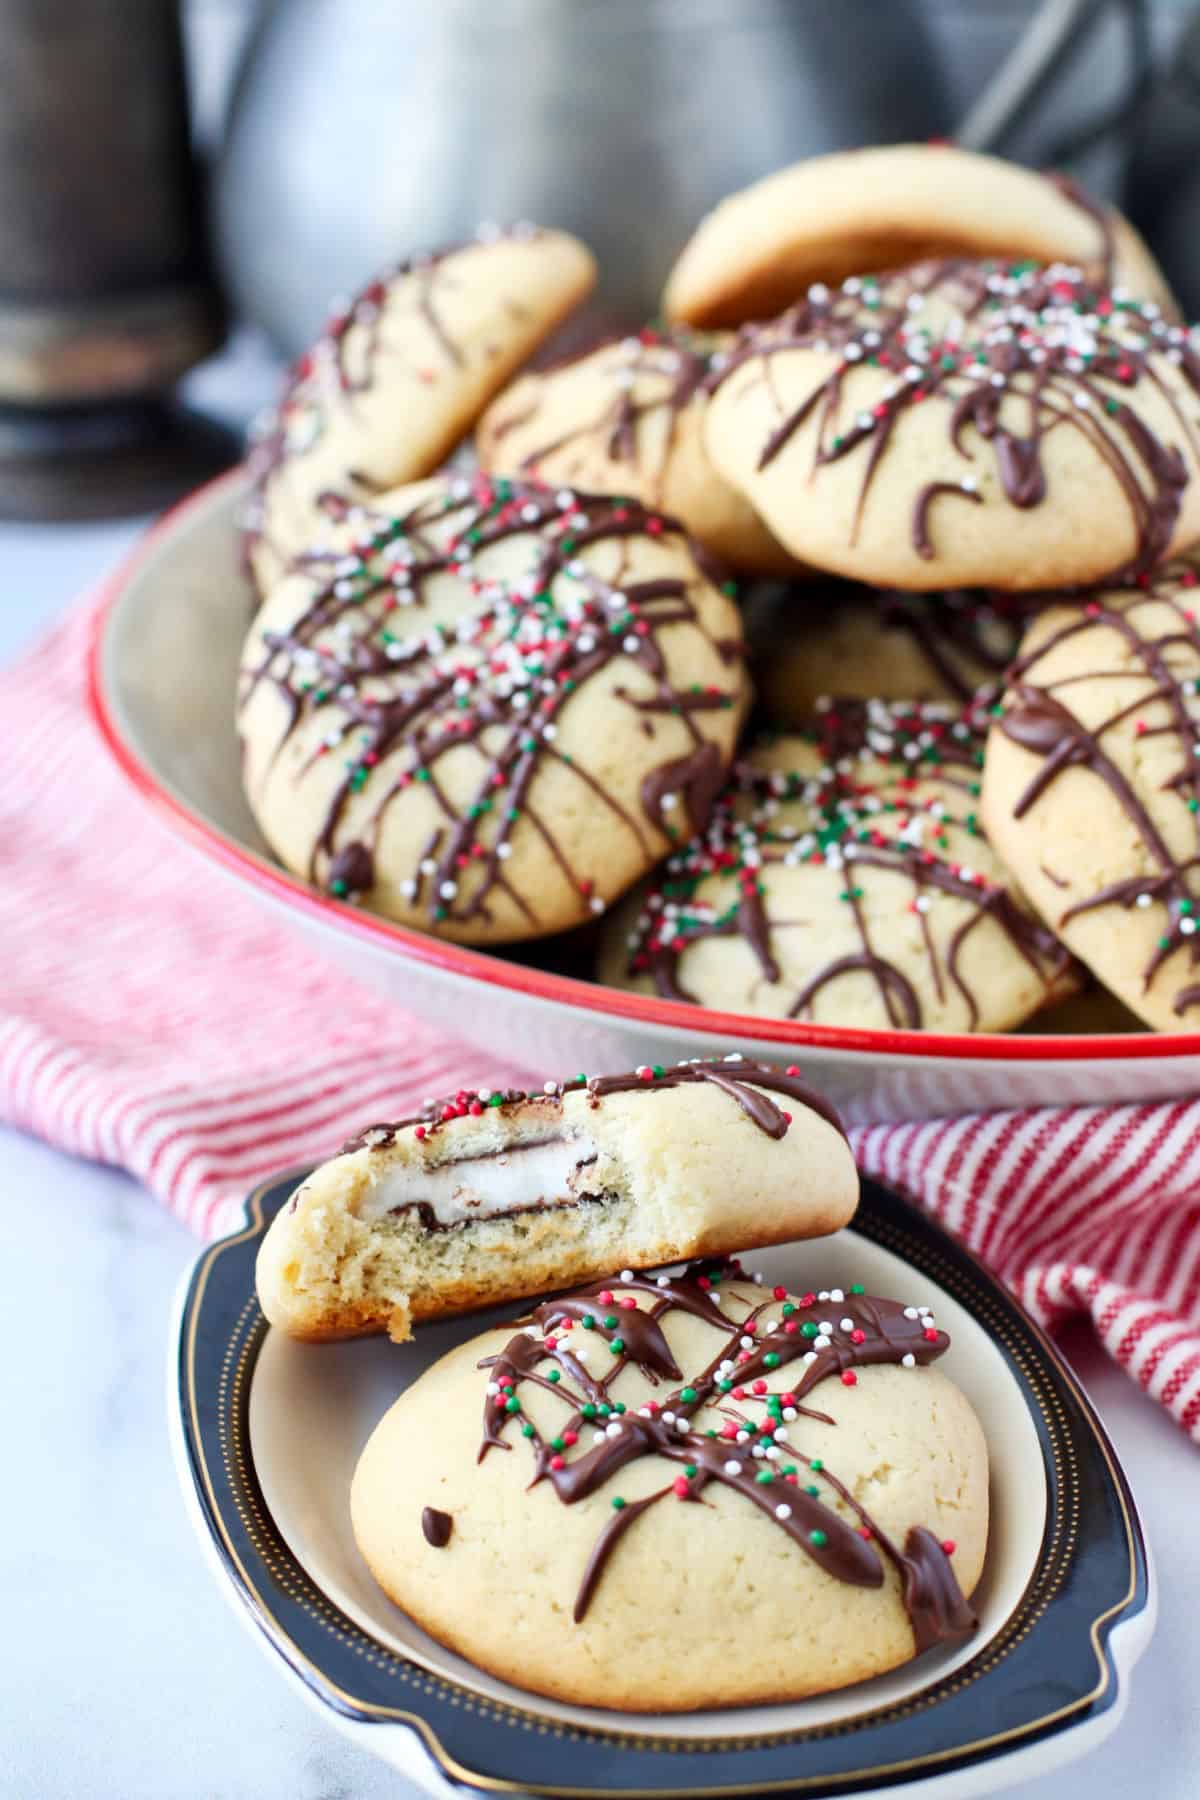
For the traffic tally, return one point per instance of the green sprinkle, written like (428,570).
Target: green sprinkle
(858,1288)
(618,1406)
(788,1469)
(512,1404)
(817,1538)
(816,1465)
(610,1322)
(527,1429)
(788,1309)
(690,1469)
(557,1444)
(554,1375)
(764,1476)
(725,1386)
(814,1492)
(687,1393)
(616,1345)
(604,1409)
(617,1503)
(339,888)
(588,1322)
(808,1329)
(589,1411)
(771,1360)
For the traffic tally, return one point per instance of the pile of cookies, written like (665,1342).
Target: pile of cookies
(917,444)
(668,1487)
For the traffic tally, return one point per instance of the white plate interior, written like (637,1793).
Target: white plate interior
(312,1408)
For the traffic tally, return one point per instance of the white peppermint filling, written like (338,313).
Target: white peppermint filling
(540,1173)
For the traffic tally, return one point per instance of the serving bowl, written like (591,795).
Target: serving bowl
(168,629)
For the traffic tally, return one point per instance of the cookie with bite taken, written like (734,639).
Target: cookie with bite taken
(491,1196)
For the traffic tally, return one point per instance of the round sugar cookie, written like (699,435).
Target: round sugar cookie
(1043,436)
(844,877)
(680,1490)
(628,419)
(486,708)
(859,211)
(811,642)
(398,376)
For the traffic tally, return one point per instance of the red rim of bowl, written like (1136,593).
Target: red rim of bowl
(566,990)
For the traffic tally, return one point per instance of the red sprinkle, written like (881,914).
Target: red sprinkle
(570,1437)
(558,1462)
(419,1132)
(792,1069)
(949,1546)
(864,1531)
(681,1486)
(628,1302)
(760,1387)
(849,1378)
(780,1293)
(605,1296)
(739,1393)
(930,1335)
(858,1336)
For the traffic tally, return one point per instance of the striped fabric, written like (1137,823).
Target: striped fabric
(154,1017)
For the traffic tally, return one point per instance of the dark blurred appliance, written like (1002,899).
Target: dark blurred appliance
(362,128)
(104,295)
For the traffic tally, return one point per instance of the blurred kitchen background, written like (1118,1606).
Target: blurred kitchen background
(184,189)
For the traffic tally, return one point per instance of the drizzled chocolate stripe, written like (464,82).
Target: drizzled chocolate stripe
(738,1076)
(870,1331)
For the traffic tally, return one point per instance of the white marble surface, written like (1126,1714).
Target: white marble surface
(122,1672)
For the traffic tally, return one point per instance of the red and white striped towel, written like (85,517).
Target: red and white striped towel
(154,1017)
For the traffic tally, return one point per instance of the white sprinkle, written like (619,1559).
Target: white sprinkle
(824,1294)
(783,1512)
(810,1356)
(846,1324)
(836,1294)
(493,1387)
(448,889)
(549,1087)
(662,1281)
(1187,926)
(626,1274)
(597,1437)
(631,645)
(747,1343)
(733,1468)
(428,866)
(824,1324)
(789,1413)
(668,1418)
(408,889)
(757,1449)
(682,1427)
(910,1312)
(909,1361)
(1143,900)
(613,1430)
(821,1342)
(780,1434)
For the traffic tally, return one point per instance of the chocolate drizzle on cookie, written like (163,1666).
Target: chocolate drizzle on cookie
(655,373)
(882,798)
(401,699)
(437,1527)
(754,1458)
(739,1077)
(342,365)
(1038,715)
(1014,353)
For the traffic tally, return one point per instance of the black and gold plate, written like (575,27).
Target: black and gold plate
(268,1431)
